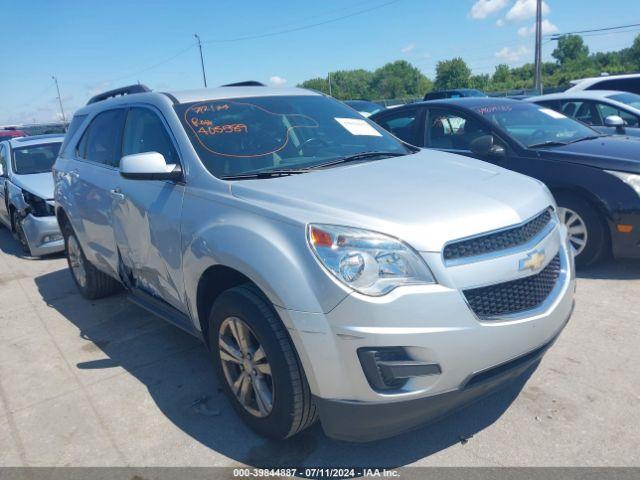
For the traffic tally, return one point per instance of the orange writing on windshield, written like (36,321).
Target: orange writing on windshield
(228,128)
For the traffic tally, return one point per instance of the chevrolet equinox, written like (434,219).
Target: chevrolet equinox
(333,271)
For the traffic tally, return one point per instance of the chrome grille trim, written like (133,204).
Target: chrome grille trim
(547,218)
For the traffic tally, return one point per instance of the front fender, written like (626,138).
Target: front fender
(15,197)
(272,253)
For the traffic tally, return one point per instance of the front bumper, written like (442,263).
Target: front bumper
(364,422)
(626,245)
(43,235)
(435,326)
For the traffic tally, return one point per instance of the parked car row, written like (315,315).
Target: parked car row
(594,178)
(336,268)
(333,270)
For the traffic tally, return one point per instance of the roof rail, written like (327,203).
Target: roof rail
(137,88)
(246,83)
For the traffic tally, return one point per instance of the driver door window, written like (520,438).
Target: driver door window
(451,130)
(607,110)
(144,132)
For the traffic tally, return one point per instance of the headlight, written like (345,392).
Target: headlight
(631,179)
(37,206)
(369,262)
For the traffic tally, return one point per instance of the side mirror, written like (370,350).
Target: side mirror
(616,122)
(485,145)
(148,166)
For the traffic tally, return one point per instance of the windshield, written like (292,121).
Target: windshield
(35,159)
(533,125)
(236,136)
(630,99)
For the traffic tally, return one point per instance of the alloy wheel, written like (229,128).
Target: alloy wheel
(246,367)
(76,261)
(576,229)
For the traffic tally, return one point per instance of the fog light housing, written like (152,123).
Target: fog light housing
(390,368)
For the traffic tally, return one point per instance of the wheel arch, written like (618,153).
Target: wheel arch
(214,281)
(593,200)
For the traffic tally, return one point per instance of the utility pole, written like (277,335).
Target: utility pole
(204,75)
(538,60)
(329,75)
(64,119)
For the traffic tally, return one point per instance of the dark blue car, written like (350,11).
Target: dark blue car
(595,178)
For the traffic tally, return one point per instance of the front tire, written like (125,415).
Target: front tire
(257,365)
(585,228)
(19,232)
(91,282)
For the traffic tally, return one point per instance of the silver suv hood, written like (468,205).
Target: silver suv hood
(40,184)
(425,199)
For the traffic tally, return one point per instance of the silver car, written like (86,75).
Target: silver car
(332,270)
(606,111)
(26,192)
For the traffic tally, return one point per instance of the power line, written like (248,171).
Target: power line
(304,27)
(604,29)
(155,65)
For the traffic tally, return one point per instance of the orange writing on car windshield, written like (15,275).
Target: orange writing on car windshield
(229,128)
(242,129)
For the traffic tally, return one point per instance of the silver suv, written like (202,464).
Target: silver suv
(332,270)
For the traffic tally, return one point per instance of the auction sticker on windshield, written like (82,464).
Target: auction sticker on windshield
(357,126)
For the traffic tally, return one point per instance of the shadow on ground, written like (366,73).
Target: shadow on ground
(623,269)
(10,246)
(175,369)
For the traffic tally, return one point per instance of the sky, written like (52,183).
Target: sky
(92,46)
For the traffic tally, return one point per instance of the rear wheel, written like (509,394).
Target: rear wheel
(91,282)
(585,228)
(257,364)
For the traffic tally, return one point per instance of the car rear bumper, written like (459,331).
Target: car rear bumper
(368,421)
(43,235)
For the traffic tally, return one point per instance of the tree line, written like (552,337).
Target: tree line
(401,79)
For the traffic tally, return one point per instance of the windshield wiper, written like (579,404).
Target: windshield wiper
(356,157)
(548,143)
(266,174)
(588,137)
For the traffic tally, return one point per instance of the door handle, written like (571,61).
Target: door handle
(117,194)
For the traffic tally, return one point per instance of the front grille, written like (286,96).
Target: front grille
(516,296)
(497,241)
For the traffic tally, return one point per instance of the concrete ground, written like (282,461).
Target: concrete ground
(104,383)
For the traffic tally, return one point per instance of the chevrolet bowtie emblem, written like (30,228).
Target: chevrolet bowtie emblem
(533,261)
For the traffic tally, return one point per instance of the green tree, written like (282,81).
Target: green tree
(320,84)
(452,73)
(481,82)
(634,52)
(351,84)
(399,79)
(571,48)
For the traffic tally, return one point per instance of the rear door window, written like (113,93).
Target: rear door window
(102,141)
(584,111)
(403,124)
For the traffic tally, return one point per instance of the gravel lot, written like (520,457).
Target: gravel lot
(104,383)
